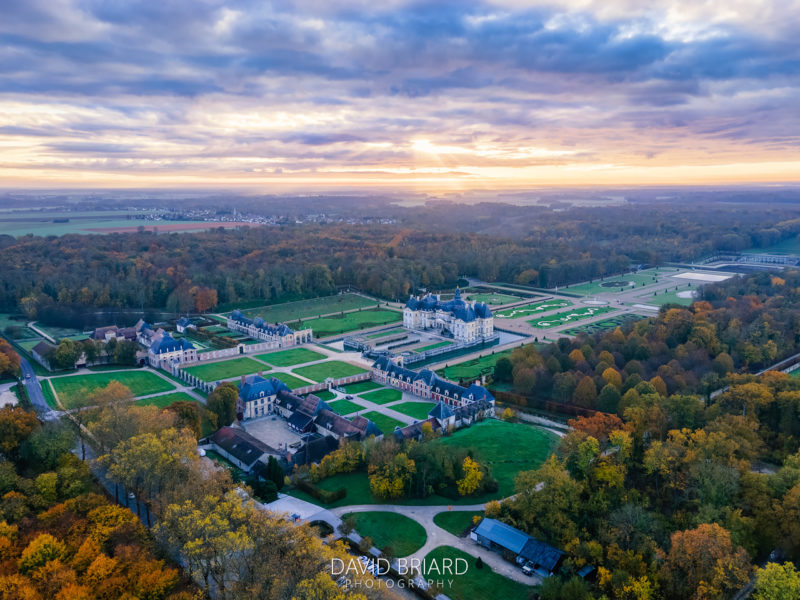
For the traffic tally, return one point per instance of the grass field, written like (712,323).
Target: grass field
(384,423)
(361,386)
(226,369)
(415,410)
(313,307)
(383,396)
(507,448)
(530,309)
(455,521)
(288,358)
(604,325)
(331,368)
(73,390)
(165,400)
(473,368)
(363,319)
(613,283)
(403,534)
(493,298)
(568,316)
(323,394)
(292,381)
(345,407)
(381,334)
(475,584)
(49,397)
(432,346)
(670,297)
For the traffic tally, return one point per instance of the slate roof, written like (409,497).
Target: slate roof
(503,535)
(336,424)
(280,329)
(414,431)
(541,554)
(43,348)
(166,343)
(184,322)
(300,420)
(365,426)
(441,411)
(241,445)
(457,306)
(254,385)
(315,449)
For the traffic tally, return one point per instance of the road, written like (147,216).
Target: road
(34,389)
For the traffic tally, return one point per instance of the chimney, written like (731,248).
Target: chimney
(242,379)
(260,373)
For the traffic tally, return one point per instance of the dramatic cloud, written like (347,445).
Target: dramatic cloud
(429,94)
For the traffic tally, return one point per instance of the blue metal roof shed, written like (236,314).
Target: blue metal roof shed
(502,535)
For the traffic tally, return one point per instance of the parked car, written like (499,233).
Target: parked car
(348,397)
(528,570)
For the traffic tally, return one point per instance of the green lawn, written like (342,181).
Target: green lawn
(324,394)
(415,410)
(74,389)
(313,307)
(569,316)
(47,392)
(165,400)
(384,423)
(383,396)
(614,283)
(475,584)
(227,368)
(507,448)
(604,325)
(669,297)
(432,346)
(288,358)
(363,319)
(403,534)
(292,381)
(455,521)
(493,298)
(472,369)
(381,334)
(345,407)
(361,386)
(331,368)
(531,309)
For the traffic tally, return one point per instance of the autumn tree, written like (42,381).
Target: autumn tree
(777,582)
(473,476)
(16,426)
(222,401)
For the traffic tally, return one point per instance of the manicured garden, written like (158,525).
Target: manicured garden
(456,521)
(385,424)
(383,396)
(472,369)
(331,368)
(361,386)
(165,400)
(475,584)
(345,407)
(381,334)
(291,357)
(415,410)
(604,325)
(432,346)
(353,321)
(312,307)
(531,309)
(402,534)
(615,283)
(324,394)
(226,369)
(569,316)
(73,390)
(292,381)
(493,298)
(670,297)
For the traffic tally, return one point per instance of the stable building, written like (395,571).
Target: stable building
(165,352)
(257,396)
(543,558)
(259,329)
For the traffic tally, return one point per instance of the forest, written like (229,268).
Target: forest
(56,279)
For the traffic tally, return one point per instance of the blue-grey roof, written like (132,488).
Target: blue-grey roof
(541,554)
(503,535)
(184,321)
(441,411)
(457,306)
(280,329)
(256,384)
(479,393)
(482,310)
(167,343)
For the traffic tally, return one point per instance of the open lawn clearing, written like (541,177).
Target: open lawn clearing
(403,534)
(683,296)
(165,400)
(49,397)
(345,407)
(472,369)
(616,283)
(353,321)
(604,325)
(226,369)
(290,380)
(531,309)
(569,316)
(383,396)
(324,395)
(475,584)
(381,334)
(312,307)
(331,368)
(507,448)
(433,346)
(385,424)
(73,390)
(291,357)
(415,410)
(361,386)
(494,298)
(456,521)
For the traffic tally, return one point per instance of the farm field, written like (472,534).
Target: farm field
(415,410)
(227,368)
(475,584)
(292,381)
(403,534)
(381,334)
(472,369)
(291,357)
(331,368)
(345,407)
(530,309)
(353,321)
(493,298)
(384,423)
(165,400)
(304,309)
(433,346)
(568,316)
(455,521)
(605,324)
(361,387)
(613,283)
(73,390)
(383,396)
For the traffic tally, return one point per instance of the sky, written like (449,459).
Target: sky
(426,96)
